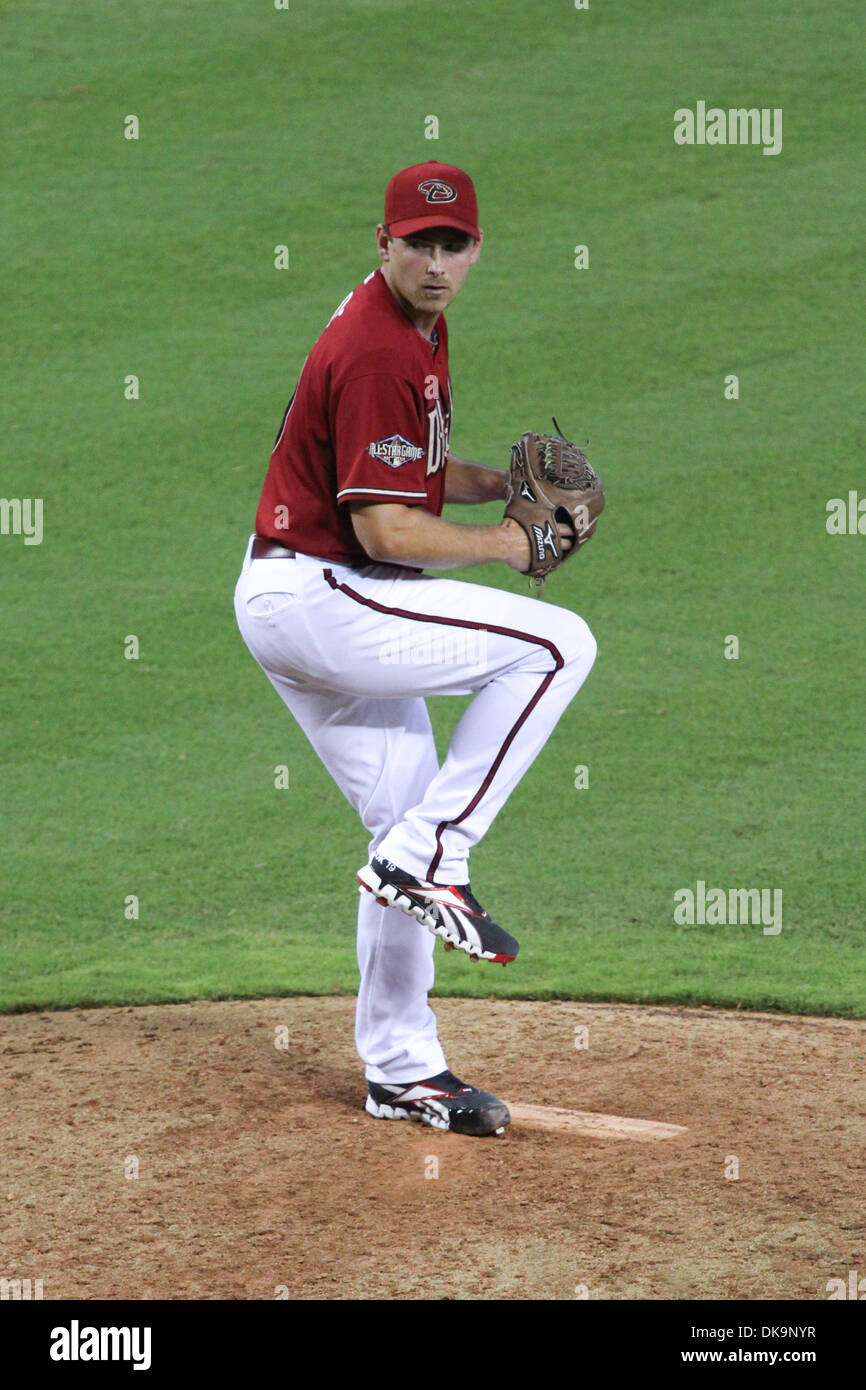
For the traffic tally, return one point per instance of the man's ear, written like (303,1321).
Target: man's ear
(476,250)
(383,242)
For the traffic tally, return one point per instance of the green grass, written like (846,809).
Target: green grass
(155,777)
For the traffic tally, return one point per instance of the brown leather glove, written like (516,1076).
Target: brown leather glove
(551,481)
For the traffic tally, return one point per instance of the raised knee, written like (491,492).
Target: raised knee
(575,642)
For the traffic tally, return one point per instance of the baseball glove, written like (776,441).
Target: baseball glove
(551,481)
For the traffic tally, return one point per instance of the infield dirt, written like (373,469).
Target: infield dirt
(260,1175)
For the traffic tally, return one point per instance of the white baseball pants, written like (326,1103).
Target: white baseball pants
(353,653)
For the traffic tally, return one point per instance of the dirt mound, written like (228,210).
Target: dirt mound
(220,1150)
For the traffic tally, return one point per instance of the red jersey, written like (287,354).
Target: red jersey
(369,421)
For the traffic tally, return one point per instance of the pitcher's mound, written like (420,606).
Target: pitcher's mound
(220,1150)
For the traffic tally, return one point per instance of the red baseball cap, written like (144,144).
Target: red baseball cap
(431,195)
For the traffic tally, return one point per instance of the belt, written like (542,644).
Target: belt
(263,549)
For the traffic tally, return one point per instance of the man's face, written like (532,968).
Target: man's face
(427,268)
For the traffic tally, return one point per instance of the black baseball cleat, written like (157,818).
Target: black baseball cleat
(443,1102)
(451,911)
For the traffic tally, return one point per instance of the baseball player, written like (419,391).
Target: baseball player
(333,603)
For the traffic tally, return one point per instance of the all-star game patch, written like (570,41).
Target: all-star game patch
(395,451)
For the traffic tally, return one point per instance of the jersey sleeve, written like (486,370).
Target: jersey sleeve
(379,442)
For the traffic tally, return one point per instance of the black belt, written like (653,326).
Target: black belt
(264,549)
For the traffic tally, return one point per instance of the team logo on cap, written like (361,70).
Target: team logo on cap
(438,191)
(395,451)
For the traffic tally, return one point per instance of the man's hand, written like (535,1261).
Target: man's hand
(521,555)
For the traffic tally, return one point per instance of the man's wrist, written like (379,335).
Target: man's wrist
(493,482)
(513,544)
(499,484)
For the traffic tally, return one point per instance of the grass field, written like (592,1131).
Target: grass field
(155,257)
